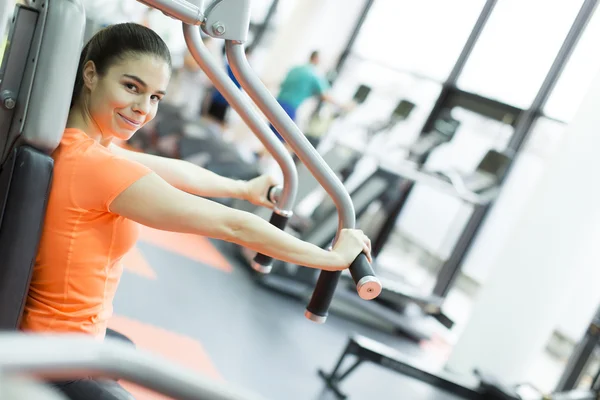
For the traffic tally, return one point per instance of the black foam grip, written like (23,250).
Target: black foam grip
(280,222)
(323,293)
(360,268)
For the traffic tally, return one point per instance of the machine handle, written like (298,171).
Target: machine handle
(286,127)
(244,108)
(367,286)
(317,309)
(263,263)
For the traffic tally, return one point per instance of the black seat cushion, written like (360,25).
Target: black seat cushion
(25,181)
(493,389)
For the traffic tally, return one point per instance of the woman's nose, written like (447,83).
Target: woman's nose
(142,106)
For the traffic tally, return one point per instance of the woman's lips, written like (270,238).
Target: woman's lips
(129,121)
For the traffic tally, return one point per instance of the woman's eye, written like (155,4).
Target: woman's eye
(156,98)
(131,86)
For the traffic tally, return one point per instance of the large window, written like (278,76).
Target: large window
(575,80)
(388,88)
(424,37)
(517,48)
(259,10)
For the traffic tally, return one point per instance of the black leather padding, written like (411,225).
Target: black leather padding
(25,181)
(493,389)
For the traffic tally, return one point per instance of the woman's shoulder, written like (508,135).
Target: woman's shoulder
(75,143)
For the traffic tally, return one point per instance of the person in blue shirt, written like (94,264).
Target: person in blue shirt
(300,84)
(218,104)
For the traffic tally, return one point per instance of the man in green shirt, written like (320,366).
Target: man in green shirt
(301,83)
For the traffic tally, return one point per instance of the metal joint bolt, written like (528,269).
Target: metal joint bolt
(8,100)
(218,28)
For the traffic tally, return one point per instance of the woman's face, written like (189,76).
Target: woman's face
(126,97)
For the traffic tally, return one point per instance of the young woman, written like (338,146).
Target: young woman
(100,193)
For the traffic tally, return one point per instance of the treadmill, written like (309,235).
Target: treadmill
(388,313)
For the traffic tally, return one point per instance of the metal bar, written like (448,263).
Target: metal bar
(487,107)
(73,356)
(450,269)
(367,285)
(578,362)
(564,54)
(291,133)
(350,44)
(341,360)
(182,10)
(264,26)
(347,49)
(332,385)
(246,111)
(348,371)
(405,367)
(580,356)
(478,28)
(404,189)
(461,61)
(595,386)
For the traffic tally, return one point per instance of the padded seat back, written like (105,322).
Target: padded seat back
(24,186)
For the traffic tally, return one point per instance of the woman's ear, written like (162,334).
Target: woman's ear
(90,75)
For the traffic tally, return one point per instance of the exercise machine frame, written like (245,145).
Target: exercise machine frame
(38,76)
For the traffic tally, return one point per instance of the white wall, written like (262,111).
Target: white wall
(548,265)
(310,25)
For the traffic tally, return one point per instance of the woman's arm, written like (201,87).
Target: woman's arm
(186,176)
(151,201)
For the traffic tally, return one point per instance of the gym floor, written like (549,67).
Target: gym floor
(191,300)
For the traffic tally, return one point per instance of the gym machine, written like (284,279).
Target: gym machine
(478,386)
(26,360)
(319,125)
(347,153)
(37,79)
(367,285)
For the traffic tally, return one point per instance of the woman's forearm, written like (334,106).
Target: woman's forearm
(202,182)
(187,176)
(255,233)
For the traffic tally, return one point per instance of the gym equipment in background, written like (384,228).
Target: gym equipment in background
(387,312)
(478,386)
(321,122)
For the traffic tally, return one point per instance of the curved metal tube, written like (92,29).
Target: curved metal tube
(73,356)
(298,142)
(245,109)
(367,285)
(182,10)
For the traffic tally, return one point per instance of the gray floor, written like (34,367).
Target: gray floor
(256,338)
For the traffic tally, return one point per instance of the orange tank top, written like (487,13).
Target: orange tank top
(78,266)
